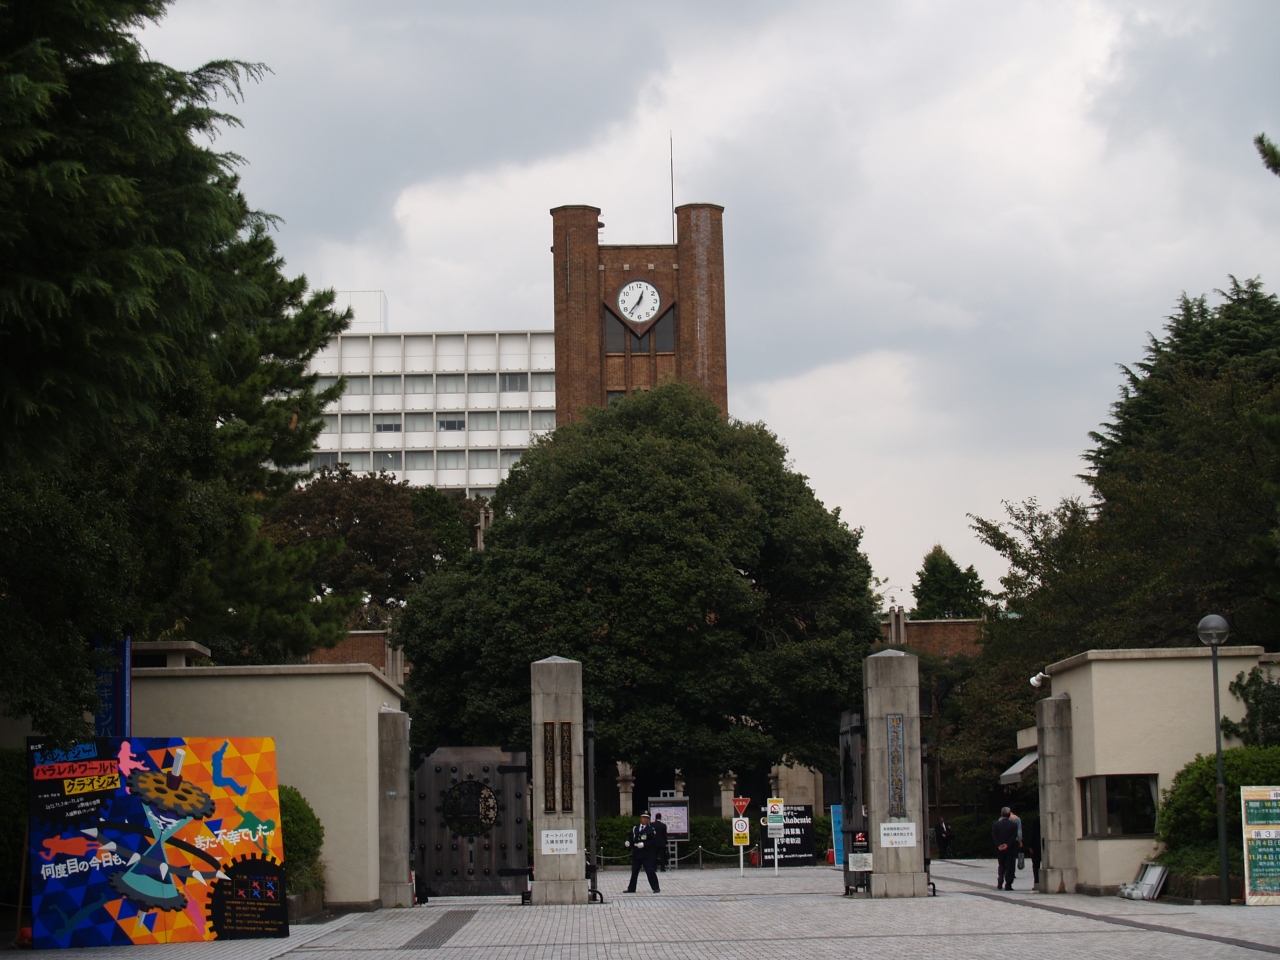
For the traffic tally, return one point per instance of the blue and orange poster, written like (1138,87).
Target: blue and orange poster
(155,840)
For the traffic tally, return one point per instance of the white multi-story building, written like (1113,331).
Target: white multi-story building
(453,410)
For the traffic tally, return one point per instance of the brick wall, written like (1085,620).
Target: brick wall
(365,646)
(942,638)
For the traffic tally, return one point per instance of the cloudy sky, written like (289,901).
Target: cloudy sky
(946,223)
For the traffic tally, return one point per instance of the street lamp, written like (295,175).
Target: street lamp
(1213,631)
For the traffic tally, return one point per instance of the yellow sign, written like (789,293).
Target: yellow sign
(741,832)
(91,784)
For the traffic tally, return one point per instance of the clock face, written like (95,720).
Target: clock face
(639,301)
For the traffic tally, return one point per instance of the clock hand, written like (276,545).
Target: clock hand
(639,300)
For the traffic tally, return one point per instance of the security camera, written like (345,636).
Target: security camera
(1038,680)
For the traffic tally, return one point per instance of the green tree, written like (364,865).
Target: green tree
(153,387)
(391,536)
(721,613)
(1260,693)
(943,590)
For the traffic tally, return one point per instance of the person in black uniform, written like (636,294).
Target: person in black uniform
(644,845)
(660,829)
(1004,834)
(945,835)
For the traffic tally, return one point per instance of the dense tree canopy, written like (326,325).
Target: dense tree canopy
(153,386)
(1182,521)
(391,535)
(721,613)
(943,590)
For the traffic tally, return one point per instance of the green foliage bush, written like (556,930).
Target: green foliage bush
(1188,818)
(303,840)
(1260,693)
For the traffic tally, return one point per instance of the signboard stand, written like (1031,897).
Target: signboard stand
(1260,815)
(741,829)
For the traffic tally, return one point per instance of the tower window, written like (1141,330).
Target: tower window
(640,344)
(664,333)
(615,334)
(613,395)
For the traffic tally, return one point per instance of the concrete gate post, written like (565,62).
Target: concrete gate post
(395,887)
(1057,795)
(891,698)
(559,799)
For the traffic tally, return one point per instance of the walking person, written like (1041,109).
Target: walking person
(644,845)
(945,835)
(660,830)
(1004,834)
(1031,846)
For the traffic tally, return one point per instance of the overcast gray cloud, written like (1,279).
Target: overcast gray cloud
(946,224)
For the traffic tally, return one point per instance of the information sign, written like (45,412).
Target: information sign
(556,842)
(795,846)
(1260,811)
(741,832)
(775,818)
(897,835)
(674,812)
(859,863)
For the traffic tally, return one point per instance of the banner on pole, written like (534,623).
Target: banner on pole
(1260,813)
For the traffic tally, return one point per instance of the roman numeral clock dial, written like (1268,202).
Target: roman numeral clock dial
(638,301)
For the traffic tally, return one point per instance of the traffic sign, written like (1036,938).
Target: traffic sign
(775,807)
(740,804)
(741,832)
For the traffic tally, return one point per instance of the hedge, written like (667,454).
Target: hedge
(303,835)
(1188,818)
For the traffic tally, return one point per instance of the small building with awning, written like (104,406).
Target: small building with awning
(1116,728)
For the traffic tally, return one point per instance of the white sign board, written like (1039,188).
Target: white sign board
(559,841)
(897,835)
(859,862)
(741,832)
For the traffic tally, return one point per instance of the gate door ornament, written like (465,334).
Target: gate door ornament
(471,809)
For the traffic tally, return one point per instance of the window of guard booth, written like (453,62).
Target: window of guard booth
(664,333)
(1119,805)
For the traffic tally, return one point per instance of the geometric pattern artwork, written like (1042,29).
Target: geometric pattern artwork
(155,840)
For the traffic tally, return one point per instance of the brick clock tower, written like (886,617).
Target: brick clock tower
(628,316)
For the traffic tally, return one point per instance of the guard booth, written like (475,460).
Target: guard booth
(471,823)
(857,849)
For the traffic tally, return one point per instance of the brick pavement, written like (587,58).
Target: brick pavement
(716,915)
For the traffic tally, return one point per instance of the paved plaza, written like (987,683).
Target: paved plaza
(717,915)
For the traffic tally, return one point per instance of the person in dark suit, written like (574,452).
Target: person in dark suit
(644,846)
(945,835)
(660,829)
(1004,834)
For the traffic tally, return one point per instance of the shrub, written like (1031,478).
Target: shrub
(1188,819)
(13,821)
(303,839)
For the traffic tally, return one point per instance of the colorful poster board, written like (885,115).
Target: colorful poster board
(837,832)
(675,814)
(155,840)
(1260,814)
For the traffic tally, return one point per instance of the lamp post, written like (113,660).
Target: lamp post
(1213,631)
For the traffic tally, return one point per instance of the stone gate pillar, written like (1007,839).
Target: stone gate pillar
(626,789)
(1057,795)
(559,800)
(895,801)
